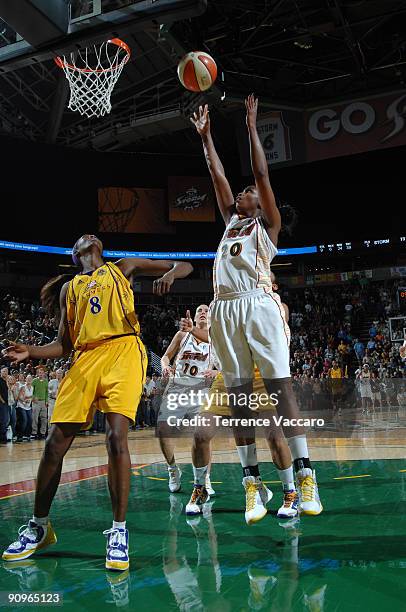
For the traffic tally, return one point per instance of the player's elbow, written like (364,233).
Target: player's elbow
(261,173)
(183,269)
(65,349)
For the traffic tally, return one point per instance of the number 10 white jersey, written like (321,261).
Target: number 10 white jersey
(193,358)
(244,257)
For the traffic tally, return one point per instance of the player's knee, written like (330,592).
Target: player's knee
(54,450)
(277,442)
(116,442)
(201,439)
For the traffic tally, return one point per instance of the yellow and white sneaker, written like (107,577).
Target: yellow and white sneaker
(208,486)
(31,539)
(309,500)
(257,495)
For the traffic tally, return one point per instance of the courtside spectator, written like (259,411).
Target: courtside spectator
(359,350)
(24,410)
(39,404)
(55,378)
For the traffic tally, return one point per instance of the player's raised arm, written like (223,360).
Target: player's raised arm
(60,347)
(260,170)
(170,271)
(170,353)
(186,325)
(224,195)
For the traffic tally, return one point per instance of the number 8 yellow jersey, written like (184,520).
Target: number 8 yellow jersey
(100,305)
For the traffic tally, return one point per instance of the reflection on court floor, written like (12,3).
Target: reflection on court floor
(350,553)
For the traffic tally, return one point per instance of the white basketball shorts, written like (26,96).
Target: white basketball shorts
(183,401)
(248,328)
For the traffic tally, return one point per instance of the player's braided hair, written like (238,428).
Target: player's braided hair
(50,293)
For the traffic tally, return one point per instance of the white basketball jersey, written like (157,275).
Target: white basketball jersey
(194,358)
(243,258)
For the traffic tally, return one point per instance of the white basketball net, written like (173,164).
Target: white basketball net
(92,75)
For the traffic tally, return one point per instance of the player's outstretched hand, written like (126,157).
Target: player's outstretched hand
(16,352)
(402,350)
(167,371)
(186,323)
(201,120)
(163,285)
(251,105)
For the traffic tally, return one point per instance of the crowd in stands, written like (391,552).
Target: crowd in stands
(327,351)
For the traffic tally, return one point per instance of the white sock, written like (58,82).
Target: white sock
(119,525)
(43,521)
(248,455)
(298,447)
(286,478)
(199,474)
(172,467)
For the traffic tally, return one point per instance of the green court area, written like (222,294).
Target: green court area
(351,557)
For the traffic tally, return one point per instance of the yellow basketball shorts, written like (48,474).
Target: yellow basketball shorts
(218,401)
(108,376)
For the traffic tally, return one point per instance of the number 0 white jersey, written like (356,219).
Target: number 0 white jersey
(243,258)
(194,358)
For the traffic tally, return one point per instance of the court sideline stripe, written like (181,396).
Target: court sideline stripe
(28,486)
(4,489)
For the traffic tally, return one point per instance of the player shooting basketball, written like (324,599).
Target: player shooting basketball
(97,322)
(247,324)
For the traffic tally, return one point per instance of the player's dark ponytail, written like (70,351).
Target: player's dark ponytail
(50,293)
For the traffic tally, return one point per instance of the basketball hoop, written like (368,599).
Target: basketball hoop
(117,207)
(92,75)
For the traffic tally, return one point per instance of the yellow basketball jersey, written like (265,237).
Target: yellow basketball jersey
(99,306)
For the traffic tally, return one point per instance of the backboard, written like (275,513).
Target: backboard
(33,31)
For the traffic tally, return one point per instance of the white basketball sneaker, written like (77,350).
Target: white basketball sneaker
(199,497)
(208,486)
(257,495)
(309,500)
(174,478)
(31,538)
(290,506)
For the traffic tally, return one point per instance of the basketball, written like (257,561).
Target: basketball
(197,71)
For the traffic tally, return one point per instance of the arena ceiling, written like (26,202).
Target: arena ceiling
(292,53)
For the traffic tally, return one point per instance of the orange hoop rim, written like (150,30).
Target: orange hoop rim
(114,41)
